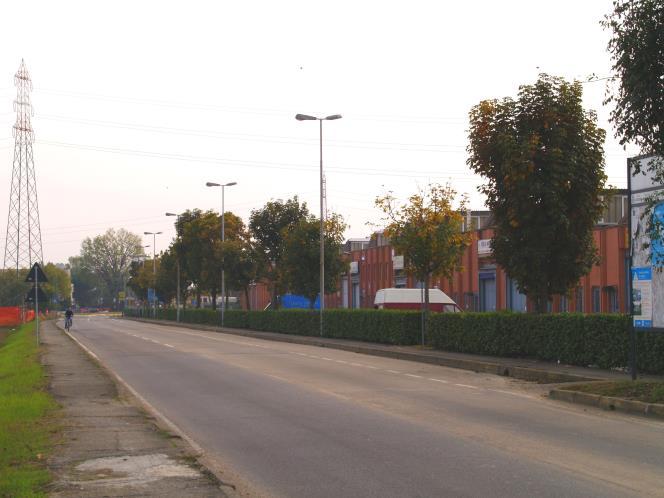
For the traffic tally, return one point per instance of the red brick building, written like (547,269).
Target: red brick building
(482,285)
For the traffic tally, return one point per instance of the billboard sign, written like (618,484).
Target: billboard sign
(646,224)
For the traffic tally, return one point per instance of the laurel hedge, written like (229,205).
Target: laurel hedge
(600,340)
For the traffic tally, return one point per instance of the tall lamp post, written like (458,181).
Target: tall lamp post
(154,268)
(321,298)
(177,300)
(223,239)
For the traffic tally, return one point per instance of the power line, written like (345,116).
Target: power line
(243,110)
(261,138)
(251,164)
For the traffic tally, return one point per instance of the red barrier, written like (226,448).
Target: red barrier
(10,316)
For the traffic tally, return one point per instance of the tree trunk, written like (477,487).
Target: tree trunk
(540,303)
(427,280)
(246,297)
(198,298)
(214,300)
(225,303)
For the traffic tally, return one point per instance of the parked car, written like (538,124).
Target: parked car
(411,299)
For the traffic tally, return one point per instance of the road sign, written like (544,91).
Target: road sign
(30,296)
(36,274)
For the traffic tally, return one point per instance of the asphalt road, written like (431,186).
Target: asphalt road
(302,421)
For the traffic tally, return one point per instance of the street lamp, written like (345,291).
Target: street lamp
(177,301)
(223,238)
(154,267)
(306,117)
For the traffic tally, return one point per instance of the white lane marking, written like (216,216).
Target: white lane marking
(300,354)
(520,395)
(168,345)
(439,380)
(413,375)
(341,361)
(357,364)
(394,371)
(373,368)
(326,359)
(466,385)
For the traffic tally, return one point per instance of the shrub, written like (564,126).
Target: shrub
(600,340)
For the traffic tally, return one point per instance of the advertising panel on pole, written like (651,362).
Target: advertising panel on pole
(646,226)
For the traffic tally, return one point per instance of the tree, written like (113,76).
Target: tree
(542,156)
(269,227)
(301,256)
(637,49)
(200,248)
(58,287)
(13,288)
(109,257)
(427,231)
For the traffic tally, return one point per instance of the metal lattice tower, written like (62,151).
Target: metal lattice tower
(23,244)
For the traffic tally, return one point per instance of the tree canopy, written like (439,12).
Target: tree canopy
(269,227)
(542,156)
(427,231)
(109,257)
(637,50)
(301,256)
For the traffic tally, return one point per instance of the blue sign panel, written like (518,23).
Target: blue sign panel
(293,301)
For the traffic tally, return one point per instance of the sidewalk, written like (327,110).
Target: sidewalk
(109,447)
(519,368)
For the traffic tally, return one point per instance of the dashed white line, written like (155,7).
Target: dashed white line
(415,376)
(326,359)
(357,364)
(341,361)
(168,345)
(371,367)
(394,371)
(466,385)
(439,380)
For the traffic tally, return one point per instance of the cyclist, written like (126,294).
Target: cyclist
(68,318)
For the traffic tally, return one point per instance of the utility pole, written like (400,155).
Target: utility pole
(23,245)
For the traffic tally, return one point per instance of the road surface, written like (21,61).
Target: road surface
(301,421)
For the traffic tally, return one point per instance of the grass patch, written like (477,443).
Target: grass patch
(25,430)
(639,390)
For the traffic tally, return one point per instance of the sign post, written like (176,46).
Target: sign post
(36,276)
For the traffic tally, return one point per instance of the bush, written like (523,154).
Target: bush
(600,340)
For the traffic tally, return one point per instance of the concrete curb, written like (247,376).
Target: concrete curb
(522,373)
(161,421)
(654,410)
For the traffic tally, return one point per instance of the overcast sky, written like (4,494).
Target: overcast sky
(138,104)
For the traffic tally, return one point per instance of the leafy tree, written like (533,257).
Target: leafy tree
(58,287)
(542,156)
(269,227)
(109,257)
(89,288)
(13,287)
(301,256)
(200,247)
(637,49)
(427,231)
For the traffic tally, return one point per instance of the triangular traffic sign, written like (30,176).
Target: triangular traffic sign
(36,274)
(30,296)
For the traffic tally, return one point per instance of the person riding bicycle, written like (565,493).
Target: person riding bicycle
(68,317)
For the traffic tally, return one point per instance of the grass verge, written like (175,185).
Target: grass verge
(25,406)
(639,390)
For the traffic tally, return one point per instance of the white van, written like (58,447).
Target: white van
(411,299)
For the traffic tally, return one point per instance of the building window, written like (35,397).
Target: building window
(612,294)
(564,304)
(579,300)
(597,302)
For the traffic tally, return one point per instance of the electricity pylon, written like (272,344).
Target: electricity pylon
(23,245)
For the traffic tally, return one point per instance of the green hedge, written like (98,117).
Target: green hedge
(388,327)
(599,339)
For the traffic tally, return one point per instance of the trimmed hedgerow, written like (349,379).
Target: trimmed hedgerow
(600,340)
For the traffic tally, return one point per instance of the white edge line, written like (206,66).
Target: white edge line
(165,420)
(466,385)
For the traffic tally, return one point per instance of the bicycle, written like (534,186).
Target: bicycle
(68,322)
